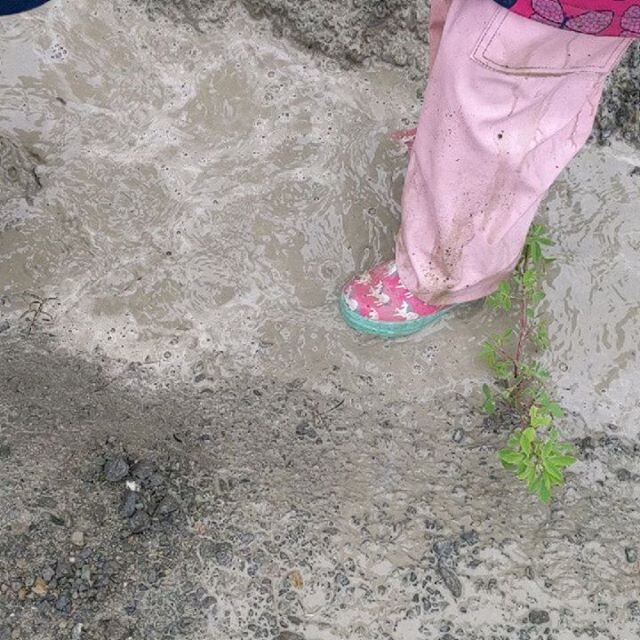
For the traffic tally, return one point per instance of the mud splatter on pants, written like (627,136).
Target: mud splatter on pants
(508,104)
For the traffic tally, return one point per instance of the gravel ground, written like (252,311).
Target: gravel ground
(134,506)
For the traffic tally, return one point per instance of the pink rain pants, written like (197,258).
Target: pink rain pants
(508,104)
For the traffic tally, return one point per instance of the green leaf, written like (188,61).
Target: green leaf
(536,485)
(510,457)
(526,438)
(538,418)
(562,461)
(489,404)
(544,493)
(556,410)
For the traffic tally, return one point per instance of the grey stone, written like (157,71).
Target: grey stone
(77,538)
(139,522)
(470,537)
(458,435)
(624,475)
(116,469)
(631,554)
(538,616)
(305,429)
(128,503)
(167,505)
(445,549)
(222,552)
(48,574)
(63,569)
(143,469)
(450,579)
(289,635)
(63,603)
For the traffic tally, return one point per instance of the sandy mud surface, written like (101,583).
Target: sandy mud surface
(191,443)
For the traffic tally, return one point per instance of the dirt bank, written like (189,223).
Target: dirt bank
(395,32)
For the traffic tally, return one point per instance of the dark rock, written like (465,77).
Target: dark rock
(538,616)
(470,537)
(634,609)
(59,519)
(631,554)
(450,579)
(4,326)
(63,603)
(128,503)
(305,429)
(155,480)
(63,569)
(445,549)
(48,574)
(139,522)
(143,469)
(222,552)
(167,505)
(624,475)
(116,469)
(458,435)
(5,451)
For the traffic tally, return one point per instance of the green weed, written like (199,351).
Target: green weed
(533,452)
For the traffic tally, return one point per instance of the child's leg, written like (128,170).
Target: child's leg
(509,102)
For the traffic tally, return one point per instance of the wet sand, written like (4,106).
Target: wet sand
(191,202)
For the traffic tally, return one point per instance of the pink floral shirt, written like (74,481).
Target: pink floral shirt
(595,17)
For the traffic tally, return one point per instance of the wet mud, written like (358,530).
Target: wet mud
(192,445)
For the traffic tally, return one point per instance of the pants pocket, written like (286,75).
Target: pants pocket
(521,46)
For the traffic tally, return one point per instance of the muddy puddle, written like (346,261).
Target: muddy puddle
(191,202)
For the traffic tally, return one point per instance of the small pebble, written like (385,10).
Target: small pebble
(40,587)
(222,552)
(451,580)
(168,505)
(116,469)
(77,538)
(143,469)
(139,522)
(624,475)
(63,603)
(631,554)
(458,435)
(128,503)
(538,616)
(48,574)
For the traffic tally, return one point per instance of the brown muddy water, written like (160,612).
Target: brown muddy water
(189,203)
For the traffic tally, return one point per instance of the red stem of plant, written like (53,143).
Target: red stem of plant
(523,333)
